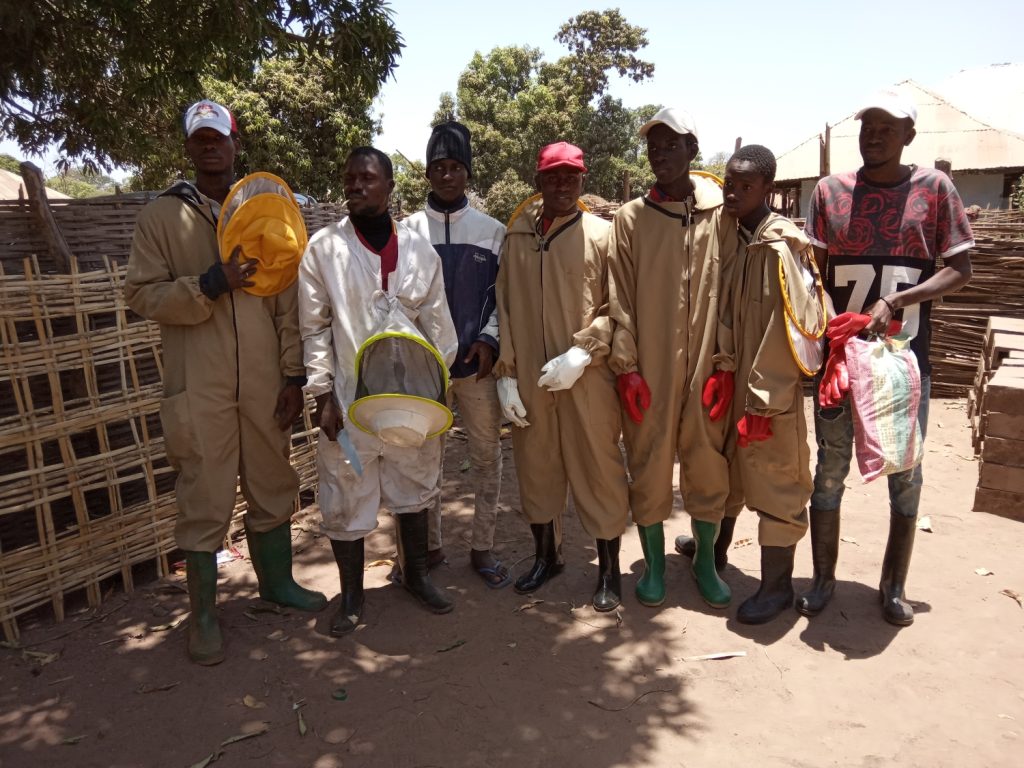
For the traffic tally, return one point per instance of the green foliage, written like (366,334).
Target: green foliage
(601,41)
(106,80)
(514,103)
(716,164)
(295,124)
(81,182)
(411,185)
(506,194)
(11,164)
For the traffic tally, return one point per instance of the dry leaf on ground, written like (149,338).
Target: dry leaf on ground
(1012,595)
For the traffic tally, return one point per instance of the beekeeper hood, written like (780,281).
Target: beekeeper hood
(262,216)
(401,381)
(803,297)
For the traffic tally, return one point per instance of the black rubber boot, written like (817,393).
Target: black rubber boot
(685,545)
(271,553)
(205,643)
(775,594)
(349,557)
(895,565)
(824,554)
(546,563)
(412,539)
(607,597)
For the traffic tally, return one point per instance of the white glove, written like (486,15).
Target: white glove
(511,404)
(565,370)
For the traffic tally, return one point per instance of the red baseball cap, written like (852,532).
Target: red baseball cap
(560,155)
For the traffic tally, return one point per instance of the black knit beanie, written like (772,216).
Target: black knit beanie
(450,141)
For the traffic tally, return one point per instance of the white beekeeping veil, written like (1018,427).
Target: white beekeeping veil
(401,381)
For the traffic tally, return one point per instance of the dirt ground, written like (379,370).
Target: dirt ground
(510,681)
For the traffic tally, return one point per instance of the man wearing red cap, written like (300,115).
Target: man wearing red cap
(233,377)
(554,382)
(665,274)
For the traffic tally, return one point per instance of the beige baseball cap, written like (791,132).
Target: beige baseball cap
(892,102)
(678,120)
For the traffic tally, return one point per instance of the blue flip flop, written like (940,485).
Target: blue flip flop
(495,570)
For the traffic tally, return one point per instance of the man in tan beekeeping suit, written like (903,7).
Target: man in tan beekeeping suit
(233,377)
(665,273)
(553,379)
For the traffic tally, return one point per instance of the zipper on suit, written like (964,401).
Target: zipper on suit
(238,362)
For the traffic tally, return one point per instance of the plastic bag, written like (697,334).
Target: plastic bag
(885,391)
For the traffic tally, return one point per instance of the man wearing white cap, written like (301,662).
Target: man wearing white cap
(877,235)
(665,273)
(233,377)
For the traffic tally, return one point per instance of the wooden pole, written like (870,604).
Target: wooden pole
(825,159)
(36,188)
(627,187)
(739,143)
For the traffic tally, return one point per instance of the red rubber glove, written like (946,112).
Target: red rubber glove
(634,394)
(835,382)
(841,327)
(753,429)
(717,395)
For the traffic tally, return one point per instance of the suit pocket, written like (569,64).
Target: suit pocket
(179,436)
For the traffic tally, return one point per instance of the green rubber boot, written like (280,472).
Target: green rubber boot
(271,554)
(715,592)
(205,643)
(650,589)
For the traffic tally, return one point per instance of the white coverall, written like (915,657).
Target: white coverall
(341,304)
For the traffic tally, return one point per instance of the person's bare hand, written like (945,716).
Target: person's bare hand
(484,354)
(289,406)
(238,272)
(881,316)
(328,415)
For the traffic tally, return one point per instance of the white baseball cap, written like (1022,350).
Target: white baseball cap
(209,114)
(678,120)
(891,102)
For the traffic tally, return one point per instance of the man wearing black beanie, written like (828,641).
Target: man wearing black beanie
(468,242)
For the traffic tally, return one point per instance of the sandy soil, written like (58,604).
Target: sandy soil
(509,681)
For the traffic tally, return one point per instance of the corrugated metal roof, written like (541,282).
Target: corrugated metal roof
(943,131)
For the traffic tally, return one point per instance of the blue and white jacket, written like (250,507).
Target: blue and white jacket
(469,243)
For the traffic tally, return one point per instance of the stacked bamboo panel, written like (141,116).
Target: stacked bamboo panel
(85,489)
(996,410)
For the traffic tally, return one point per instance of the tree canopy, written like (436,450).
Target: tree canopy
(106,80)
(515,102)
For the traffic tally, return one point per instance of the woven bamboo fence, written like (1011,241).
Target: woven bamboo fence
(86,492)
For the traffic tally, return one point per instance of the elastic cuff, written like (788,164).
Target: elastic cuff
(489,340)
(213,282)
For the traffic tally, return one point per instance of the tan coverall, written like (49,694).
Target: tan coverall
(552,294)
(773,476)
(225,362)
(665,274)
